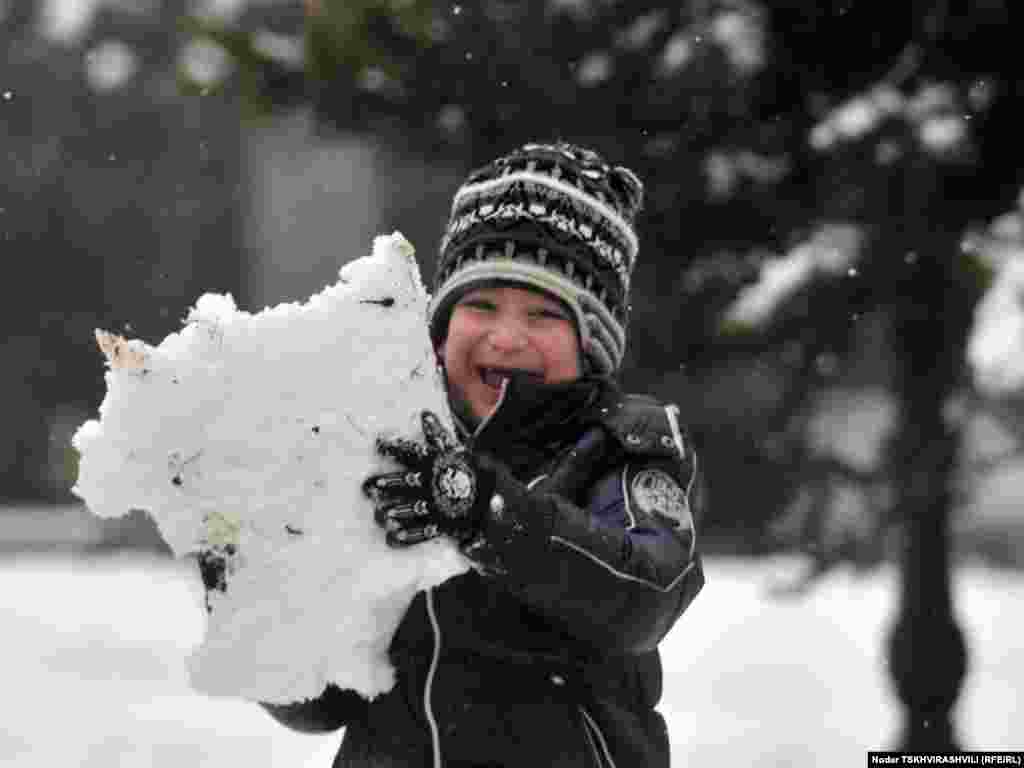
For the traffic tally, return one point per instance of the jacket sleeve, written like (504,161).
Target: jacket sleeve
(617,569)
(327,712)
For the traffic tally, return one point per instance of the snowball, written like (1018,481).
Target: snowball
(246,437)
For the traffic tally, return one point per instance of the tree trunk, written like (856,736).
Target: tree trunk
(927,652)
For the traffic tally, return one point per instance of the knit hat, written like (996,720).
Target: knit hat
(550,216)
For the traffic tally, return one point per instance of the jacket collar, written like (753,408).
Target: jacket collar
(534,414)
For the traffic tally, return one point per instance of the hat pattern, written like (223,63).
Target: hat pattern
(554,217)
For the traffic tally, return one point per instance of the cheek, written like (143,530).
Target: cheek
(455,351)
(562,355)
(451,358)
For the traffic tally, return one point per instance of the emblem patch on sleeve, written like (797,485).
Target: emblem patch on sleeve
(655,492)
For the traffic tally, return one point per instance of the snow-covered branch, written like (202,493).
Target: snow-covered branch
(832,251)
(995,348)
(934,115)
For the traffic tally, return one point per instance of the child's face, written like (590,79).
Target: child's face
(504,329)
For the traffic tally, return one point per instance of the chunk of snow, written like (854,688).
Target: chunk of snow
(246,437)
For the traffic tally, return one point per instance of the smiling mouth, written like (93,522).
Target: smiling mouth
(495,377)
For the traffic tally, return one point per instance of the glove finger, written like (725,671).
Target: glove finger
(404,451)
(398,512)
(409,536)
(402,484)
(437,436)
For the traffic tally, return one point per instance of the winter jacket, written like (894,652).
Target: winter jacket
(545,654)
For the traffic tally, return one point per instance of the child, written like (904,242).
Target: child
(571,498)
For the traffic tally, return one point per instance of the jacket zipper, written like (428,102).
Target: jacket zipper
(598,744)
(595,738)
(428,709)
(487,419)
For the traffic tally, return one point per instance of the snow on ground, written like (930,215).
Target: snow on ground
(94,670)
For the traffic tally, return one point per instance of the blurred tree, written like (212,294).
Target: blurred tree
(117,203)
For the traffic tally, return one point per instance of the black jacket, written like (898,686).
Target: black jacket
(545,654)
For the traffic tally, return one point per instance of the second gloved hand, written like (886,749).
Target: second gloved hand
(440,491)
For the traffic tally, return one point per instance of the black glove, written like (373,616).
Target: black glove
(577,466)
(441,491)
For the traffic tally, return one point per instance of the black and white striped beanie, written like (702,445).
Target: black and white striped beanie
(550,216)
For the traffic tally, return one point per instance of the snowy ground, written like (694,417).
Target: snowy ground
(94,647)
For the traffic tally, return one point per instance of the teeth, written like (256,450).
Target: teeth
(492,378)
(495,378)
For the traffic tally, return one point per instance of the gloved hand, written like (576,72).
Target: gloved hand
(576,467)
(515,515)
(441,491)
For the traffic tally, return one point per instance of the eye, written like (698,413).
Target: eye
(478,303)
(549,313)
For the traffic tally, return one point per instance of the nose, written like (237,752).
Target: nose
(507,335)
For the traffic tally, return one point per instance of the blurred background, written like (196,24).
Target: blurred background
(830,285)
